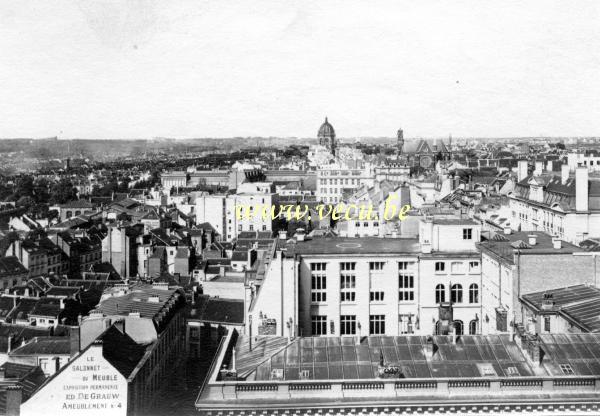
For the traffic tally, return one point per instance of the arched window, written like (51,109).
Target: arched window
(456,294)
(440,294)
(473,327)
(474,293)
(458,327)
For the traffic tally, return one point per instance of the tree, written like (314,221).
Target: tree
(63,191)
(25,201)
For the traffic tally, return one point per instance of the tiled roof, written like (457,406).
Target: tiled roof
(220,310)
(23,309)
(11,267)
(44,346)
(155,304)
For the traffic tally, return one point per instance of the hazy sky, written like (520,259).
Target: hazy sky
(145,68)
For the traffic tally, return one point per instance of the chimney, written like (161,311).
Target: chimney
(453,335)
(548,301)
(282,235)
(521,170)
(75,340)
(14,396)
(507,230)
(532,239)
(556,243)
(581,189)
(550,166)
(426,236)
(429,348)
(564,174)
(539,168)
(9,346)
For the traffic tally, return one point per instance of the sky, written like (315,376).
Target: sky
(184,69)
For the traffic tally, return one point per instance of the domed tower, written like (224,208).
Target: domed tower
(400,141)
(326,136)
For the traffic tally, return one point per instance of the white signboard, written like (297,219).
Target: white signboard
(89,385)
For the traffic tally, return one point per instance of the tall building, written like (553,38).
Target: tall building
(326,136)
(400,141)
(374,286)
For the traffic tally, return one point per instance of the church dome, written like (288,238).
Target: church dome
(326,130)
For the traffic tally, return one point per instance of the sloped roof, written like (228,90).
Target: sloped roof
(44,346)
(121,351)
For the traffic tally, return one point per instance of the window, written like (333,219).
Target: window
(318,288)
(467,233)
(376,265)
(264,227)
(358,223)
(240,227)
(405,323)
(406,285)
(319,325)
(377,324)
(348,286)
(473,327)
(440,266)
(376,296)
(456,294)
(457,267)
(547,323)
(458,327)
(347,282)
(473,267)
(347,324)
(440,293)
(251,227)
(512,371)
(474,293)
(567,369)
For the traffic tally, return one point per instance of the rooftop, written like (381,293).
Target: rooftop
(341,358)
(578,304)
(354,246)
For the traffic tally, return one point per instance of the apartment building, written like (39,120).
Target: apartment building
(565,206)
(243,211)
(334,180)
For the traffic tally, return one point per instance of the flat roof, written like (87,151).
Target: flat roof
(454,221)
(355,246)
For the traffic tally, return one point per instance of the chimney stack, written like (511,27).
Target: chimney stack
(556,243)
(532,239)
(521,170)
(539,168)
(564,174)
(581,189)
(550,166)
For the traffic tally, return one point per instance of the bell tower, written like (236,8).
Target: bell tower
(400,141)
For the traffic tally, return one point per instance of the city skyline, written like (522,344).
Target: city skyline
(142,69)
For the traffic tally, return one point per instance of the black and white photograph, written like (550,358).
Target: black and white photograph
(299,208)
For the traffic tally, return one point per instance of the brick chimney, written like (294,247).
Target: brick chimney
(581,189)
